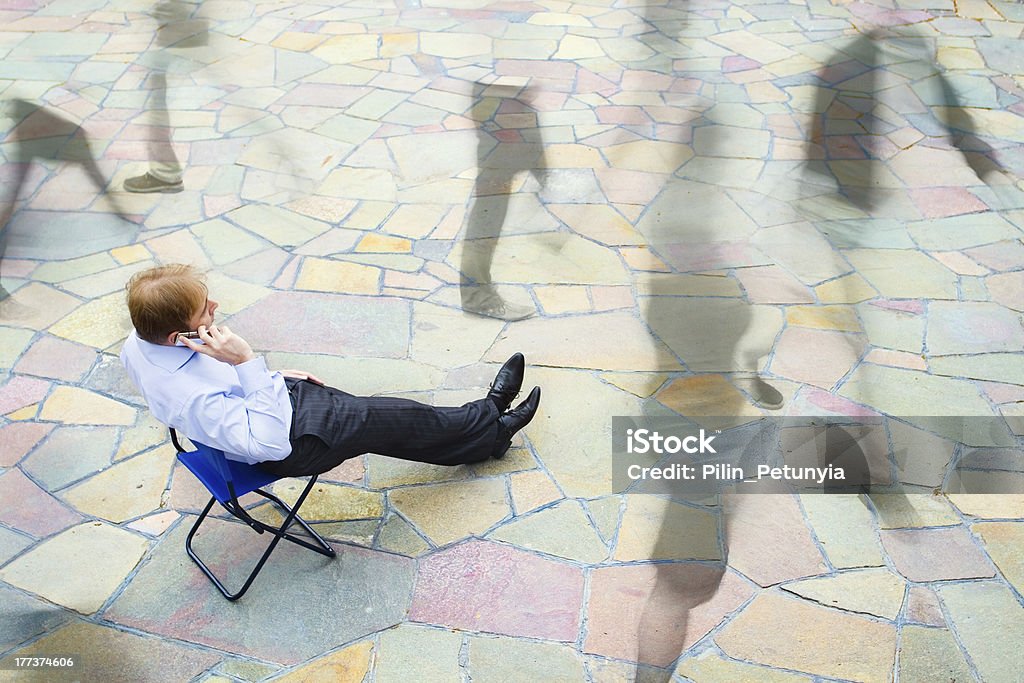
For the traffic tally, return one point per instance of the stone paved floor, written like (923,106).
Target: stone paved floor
(686,194)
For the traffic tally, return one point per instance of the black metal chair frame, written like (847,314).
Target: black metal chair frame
(235,508)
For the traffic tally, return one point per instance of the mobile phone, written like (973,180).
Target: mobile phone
(189,335)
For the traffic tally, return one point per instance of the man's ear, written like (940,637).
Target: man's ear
(172,339)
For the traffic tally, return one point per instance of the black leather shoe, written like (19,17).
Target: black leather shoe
(514,420)
(507,382)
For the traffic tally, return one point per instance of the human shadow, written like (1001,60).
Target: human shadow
(509,144)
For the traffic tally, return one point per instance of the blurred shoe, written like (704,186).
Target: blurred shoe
(766,396)
(507,382)
(150,183)
(488,303)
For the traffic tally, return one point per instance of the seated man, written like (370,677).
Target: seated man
(218,392)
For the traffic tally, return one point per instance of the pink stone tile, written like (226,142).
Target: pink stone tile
(843,147)
(1007,289)
(622,115)
(877,146)
(712,256)
(645,80)
(324,95)
(959,263)
(352,470)
(588,81)
(1003,393)
(536,68)
(923,607)
(768,539)
(508,135)
(18,267)
(26,507)
(773,285)
(738,63)
(652,613)
(629,187)
(939,202)
(215,205)
(936,554)
(896,359)
(57,359)
(913,307)
(999,256)
(21,392)
(485,586)
(18,438)
(816,357)
(609,297)
(831,404)
(455,122)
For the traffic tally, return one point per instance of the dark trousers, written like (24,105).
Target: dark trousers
(330,426)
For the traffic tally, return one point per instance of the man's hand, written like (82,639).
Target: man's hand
(221,344)
(300,374)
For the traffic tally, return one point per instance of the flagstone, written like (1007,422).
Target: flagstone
(337,276)
(472,508)
(18,438)
(972,327)
(708,396)
(280,226)
(103,495)
(224,242)
(652,613)
(97,323)
(562,530)
(837,318)
(848,289)
(817,357)
(348,665)
(489,587)
(710,666)
(935,554)
(398,536)
(1002,542)
(13,343)
(772,285)
(56,359)
(502,659)
(20,392)
(893,329)
(845,530)
(902,274)
(554,341)
(115,655)
(531,490)
(1007,289)
(155,524)
(989,622)
(993,367)
(598,222)
(875,592)
(26,507)
(605,513)
(22,617)
(900,511)
(769,541)
(72,405)
(103,554)
(931,654)
(653,528)
(740,330)
(70,453)
(41,306)
(12,544)
(331,502)
(858,649)
(324,323)
(641,384)
(708,284)
(338,600)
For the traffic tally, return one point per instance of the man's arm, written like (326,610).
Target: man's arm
(255,427)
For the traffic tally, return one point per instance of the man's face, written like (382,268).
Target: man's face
(204,316)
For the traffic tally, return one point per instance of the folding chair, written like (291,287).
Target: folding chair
(228,480)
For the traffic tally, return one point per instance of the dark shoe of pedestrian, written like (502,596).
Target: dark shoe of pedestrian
(150,183)
(766,396)
(514,420)
(507,382)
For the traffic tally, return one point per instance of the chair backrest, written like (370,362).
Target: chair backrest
(216,471)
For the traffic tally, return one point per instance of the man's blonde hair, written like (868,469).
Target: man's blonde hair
(164,299)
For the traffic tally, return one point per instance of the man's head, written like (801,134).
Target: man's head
(165,300)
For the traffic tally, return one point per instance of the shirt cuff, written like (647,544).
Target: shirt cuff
(253,375)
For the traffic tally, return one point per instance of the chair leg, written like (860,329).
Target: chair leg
(278,532)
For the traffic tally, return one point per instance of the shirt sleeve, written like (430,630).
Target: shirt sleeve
(254,427)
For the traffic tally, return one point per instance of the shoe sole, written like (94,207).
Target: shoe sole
(160,190)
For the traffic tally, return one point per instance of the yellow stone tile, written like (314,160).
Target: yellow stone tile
(573,156)
(79,406)
(641,384)
(298,41)
(708,396)
(960,58)
(532,489)
(369,215)
(598,222)
(345,666)
(842,318)
(399,44)
(26,413)
(98,323)
(377,243)
(130,254)
(128,489)
(849,289)
(415,220)
(650,156)
(566,299)
(642,259)
(324,275)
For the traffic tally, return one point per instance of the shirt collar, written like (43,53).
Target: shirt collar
(168,358)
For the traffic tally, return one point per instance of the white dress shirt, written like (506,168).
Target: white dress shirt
(244,410)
